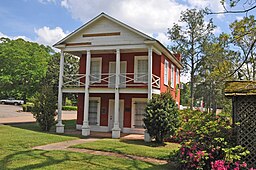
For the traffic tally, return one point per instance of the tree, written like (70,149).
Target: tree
(44,108)
(23,65)
(243,36)
(188,41)
(161,117)
(215,67)
(245,7)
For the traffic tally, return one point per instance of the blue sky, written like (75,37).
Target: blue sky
(46,21)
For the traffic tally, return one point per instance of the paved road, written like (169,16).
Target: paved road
(13,114)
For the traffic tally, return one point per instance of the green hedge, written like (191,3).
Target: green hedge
(69,107)
(27,107)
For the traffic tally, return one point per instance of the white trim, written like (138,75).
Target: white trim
(172,76)
(133,109)
(177,76)
(104,48)
(166,72)
(100,67)
(156,91)
(134,130)
(98,99)
(110,67)
(150,66)
(94,128)
(136,58)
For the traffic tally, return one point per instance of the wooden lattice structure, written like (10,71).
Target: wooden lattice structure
(243,94)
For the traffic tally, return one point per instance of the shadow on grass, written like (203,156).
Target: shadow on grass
(142,142)
(70,125)
(33,159)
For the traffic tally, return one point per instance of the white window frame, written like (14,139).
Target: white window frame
(100,67)
(172,76)
(124,74)
(166,72)
(134,100)
(98,109)
(177,76)
(136,59)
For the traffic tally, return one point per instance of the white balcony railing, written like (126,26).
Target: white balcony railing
(74,80)
(108,80)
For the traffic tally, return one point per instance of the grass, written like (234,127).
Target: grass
(16,153)
(134,147)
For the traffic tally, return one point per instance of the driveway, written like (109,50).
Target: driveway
(14,114)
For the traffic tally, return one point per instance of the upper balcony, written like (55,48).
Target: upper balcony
(108,80)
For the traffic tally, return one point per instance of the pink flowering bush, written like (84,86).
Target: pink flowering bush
(207,143)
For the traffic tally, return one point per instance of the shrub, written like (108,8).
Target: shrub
(27,107)
(207,142)
(44,108)
(161,117)
(69,107)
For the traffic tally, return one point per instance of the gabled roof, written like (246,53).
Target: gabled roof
(110,18)
(148,39)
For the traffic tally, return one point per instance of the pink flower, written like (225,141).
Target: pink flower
(244,165)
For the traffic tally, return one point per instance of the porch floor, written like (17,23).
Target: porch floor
(108,135)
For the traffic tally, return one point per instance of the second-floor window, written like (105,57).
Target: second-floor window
(172,76)
(141,69)
(95,70)
(166,70)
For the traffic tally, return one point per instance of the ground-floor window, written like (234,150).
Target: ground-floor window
(139,113)
(93,117)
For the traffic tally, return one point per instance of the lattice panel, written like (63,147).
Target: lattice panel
(245,113)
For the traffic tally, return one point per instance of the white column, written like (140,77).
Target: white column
(59,125)
(150,72)
(86,127)
(116,130)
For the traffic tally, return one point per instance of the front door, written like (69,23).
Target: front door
(111,114)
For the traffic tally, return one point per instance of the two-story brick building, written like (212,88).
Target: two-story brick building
(120,69)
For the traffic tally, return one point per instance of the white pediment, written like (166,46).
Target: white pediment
(105,31)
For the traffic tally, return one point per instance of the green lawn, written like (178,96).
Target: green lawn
(16,153)
(136,147)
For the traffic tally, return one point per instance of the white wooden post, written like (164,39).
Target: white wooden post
(86,127)
(59,125)
(116,130)
(147,137)
(150,72)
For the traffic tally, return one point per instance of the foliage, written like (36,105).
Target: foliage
(23,65)
(27,107)
(188,41)
(207,139)
(243,36)
(44,108)
(69,107)
(161,117)
(185,94)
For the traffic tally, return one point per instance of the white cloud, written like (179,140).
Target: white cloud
(163,38)
(46,1)
(149,16)
(48,36)
(238,18)
(14,37)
